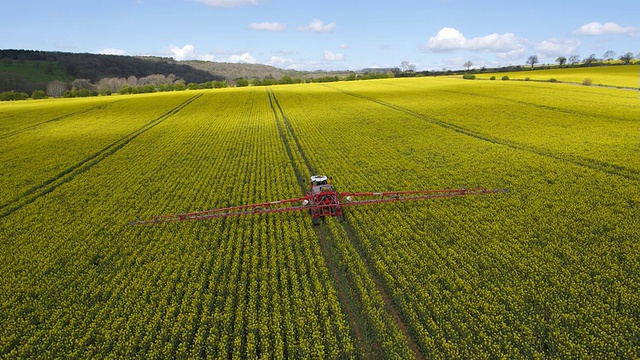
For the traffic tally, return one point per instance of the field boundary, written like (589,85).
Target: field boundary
(593,164)
(71,172)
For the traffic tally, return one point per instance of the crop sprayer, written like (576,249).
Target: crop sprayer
(321,201)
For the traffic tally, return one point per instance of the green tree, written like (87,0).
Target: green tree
(39,94)
(561,60)
(242,82)
(125,89)
(286,80)
(220,84)
(179,85)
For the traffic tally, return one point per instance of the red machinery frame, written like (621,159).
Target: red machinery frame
(327,202)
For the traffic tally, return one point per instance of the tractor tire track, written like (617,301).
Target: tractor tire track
(593,164)
(59,118)
(390,305)
(349,307)
(287,123)
(345,286)
(70,173)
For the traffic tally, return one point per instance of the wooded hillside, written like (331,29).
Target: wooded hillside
(26,70)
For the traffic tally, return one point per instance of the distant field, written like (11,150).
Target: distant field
(619,75)
(549,269)
(34,71)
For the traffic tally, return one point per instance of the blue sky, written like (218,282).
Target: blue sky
(328,34)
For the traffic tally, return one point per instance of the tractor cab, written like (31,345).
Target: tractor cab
(325,199)
(320,183)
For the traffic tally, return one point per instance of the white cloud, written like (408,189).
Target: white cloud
(450,39)
(228,3)
(111,51)
(609,28)
(557,47)
(242,58)
(268,26)
(514,54)
(279,61)
(328,55)
(187,52)
(318,26)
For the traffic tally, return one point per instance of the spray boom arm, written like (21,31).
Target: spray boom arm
(321,204)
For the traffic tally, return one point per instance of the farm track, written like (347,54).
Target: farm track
(59,118)
(70,173)
(345,285)
(593,164)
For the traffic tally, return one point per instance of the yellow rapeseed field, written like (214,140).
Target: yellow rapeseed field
(548,269)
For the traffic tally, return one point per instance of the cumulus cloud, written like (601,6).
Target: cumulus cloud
(608,28)
(268,26)
(187,52)
(450,39)
(556,47)
(228,3)
(279,61)
(318,26)
(111,51)
(245,58)
(328,55)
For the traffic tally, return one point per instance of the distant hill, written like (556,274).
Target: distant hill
(232,71)
(27,70)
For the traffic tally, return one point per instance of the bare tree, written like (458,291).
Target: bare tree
(111,84)
(590,60)
(157,80)
(407,66)
(83,84)
(132,81)
(626,58)
(532,60)
(609,55)
(56,88)
(561,60)
(468,64)
(574,59)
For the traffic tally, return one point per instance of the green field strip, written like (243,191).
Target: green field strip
(70,173)
(598,165)
(55,119)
